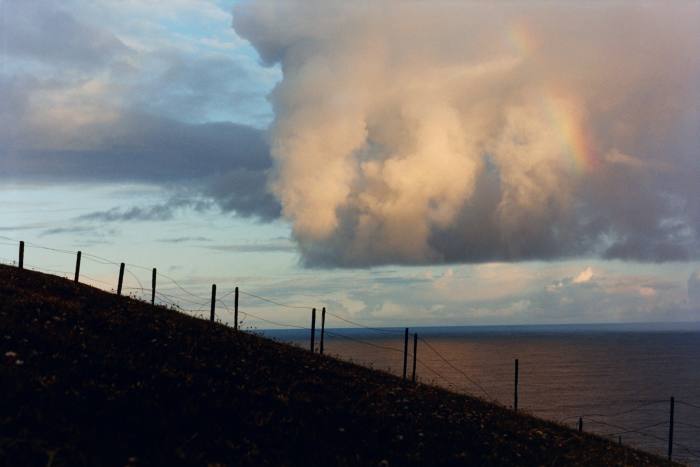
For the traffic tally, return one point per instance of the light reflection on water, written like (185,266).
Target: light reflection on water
(619,379)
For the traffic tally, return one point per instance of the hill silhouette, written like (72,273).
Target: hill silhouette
(90,378)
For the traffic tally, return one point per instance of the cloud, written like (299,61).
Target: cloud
(67,230)
(47,33)
(615,295)
(389,310)
(584,276)
(694,289)
(227,162)
(185,239)
(272,246)
(152,213)
(647,291)
(246,192)
(208,87)
(87,99)
(424,132)
(31,226)
(156,212)
(87,235)
(130,146)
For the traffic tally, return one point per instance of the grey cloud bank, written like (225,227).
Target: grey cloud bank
(79,104)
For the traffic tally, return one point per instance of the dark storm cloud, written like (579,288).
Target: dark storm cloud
(226,161)
(246,192)
(240,191)
(142,147)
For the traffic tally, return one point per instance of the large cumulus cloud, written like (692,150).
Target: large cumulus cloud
(417,132)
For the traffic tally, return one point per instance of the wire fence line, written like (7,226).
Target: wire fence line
(451,365)
(176,295)
(695,406)
(623,412)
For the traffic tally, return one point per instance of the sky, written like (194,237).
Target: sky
(400,163)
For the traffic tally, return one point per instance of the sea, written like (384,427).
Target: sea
(617,378)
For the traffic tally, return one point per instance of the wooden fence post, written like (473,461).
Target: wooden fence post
(323,328)
(77,268)
(213,302)
(235,309)
(415,353)
(580,424)
(153,287)
(670,430)
(121,279)
(405,352)
(313,328)
(515,388)
(20,264)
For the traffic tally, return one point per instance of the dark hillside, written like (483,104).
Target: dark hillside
(88,378)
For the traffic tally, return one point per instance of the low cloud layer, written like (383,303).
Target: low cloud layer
(421,132)
(694,290)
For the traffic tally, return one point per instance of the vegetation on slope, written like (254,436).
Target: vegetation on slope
(89,378)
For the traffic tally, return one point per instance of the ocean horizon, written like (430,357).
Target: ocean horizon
(674,326)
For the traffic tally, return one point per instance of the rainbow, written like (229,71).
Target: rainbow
(566,118)
(564,113)
(520,39)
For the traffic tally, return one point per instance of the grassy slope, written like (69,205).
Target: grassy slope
(111,381)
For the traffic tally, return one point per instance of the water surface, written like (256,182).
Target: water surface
(618,378)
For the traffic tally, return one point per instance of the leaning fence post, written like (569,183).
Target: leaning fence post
(77,268)
(405,352)
(20,264)
(580,424)
(670,430)
(121,279)
(153,286)
(235,309)
(515,388)
(323,328)
(313,328)
(213,302)
(415,353)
